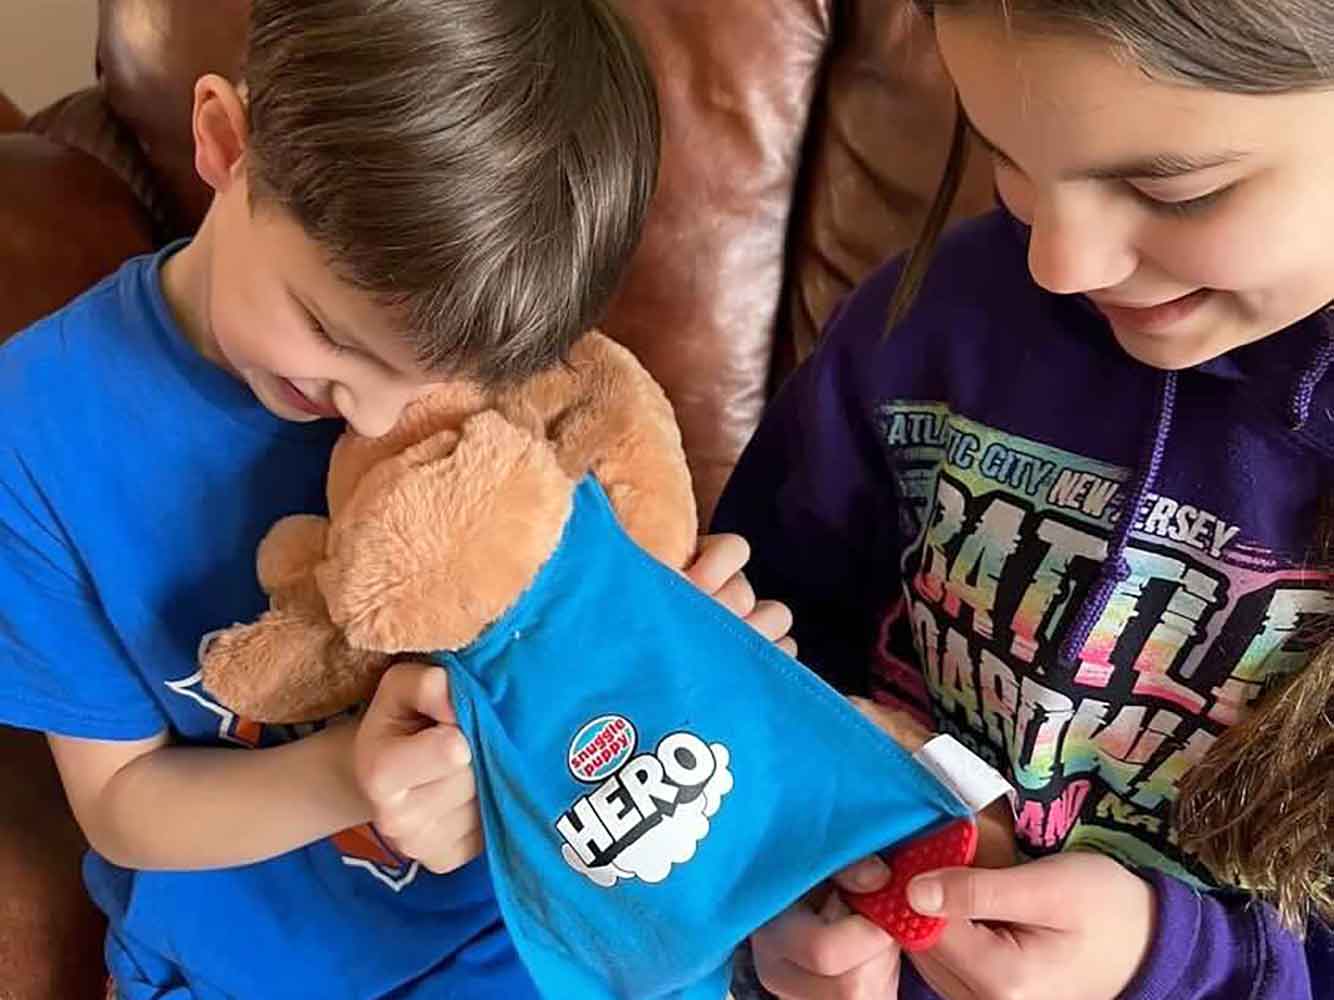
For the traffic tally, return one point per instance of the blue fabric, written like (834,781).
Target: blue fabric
(718,779)
(135,482)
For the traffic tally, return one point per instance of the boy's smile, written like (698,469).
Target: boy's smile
(306,403)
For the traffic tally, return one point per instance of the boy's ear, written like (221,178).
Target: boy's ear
(221,131)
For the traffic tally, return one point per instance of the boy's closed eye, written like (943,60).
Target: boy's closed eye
(321,331)
(337,341)
(334,347)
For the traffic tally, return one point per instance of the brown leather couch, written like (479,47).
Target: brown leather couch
(803,142)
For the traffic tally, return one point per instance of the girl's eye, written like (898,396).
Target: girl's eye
(1188,207)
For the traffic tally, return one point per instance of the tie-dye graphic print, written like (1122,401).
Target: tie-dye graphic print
(1002,538)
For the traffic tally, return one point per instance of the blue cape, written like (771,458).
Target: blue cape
(656,780)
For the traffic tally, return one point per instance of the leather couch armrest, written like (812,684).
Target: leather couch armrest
(66,221)
(50,933)
(11,118)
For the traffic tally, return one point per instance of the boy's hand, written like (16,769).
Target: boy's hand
(717,571)
(821,950)
(1074,926)
(411,763)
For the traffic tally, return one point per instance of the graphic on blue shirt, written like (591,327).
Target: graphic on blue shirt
(649,806)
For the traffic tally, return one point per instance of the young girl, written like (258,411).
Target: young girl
(1072,502)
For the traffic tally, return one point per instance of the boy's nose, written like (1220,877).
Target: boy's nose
(375,410)
(376,420)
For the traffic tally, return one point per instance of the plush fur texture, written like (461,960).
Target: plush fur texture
(442,539)
(294,660)
(438,527)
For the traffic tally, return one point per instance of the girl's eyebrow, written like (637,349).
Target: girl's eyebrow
(1159,166)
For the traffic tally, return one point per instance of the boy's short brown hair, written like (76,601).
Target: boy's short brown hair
(483,167)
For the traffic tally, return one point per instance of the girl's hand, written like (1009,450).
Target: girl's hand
(717,571)
(818,949)
(1074,926)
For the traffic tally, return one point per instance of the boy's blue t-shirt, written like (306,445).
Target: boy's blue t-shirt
(136,480)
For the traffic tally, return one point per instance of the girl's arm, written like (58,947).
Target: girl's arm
(1080,925)
(1217,947)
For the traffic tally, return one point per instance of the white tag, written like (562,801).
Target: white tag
(973,781)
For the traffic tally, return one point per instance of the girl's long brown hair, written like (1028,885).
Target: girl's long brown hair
(1258,810)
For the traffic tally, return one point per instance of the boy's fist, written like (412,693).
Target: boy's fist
(412,764)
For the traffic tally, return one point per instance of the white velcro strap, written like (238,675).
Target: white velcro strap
(975,782)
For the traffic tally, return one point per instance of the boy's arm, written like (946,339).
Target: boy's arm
(150,805)
(405,766)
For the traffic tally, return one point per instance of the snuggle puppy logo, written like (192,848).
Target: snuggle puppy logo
(649,812)
(601,747)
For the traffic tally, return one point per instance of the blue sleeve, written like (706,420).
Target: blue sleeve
(63,669)
(812,495)
(1228,946)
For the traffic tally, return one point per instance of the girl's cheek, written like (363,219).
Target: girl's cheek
(1227,251)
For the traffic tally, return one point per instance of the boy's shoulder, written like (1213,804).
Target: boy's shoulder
(91,362)
(61,345)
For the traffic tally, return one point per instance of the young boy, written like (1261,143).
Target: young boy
(404,190)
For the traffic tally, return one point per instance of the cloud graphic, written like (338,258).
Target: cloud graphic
(605,875)
(671,842)
(721,781)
